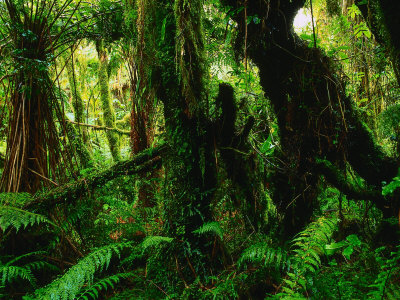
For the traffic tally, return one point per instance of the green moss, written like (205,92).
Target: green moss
(79,146)
(105,98)
(77,101)
(190,52)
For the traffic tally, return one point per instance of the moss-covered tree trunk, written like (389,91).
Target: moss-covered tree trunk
(190,164)
(106,104)
(142,131)
(315,117)
(143,93)
(239,166)
(77,144)
(78,138)
(75,89)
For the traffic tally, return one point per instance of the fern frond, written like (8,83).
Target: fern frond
(390,268)
(210,227)
(263,253)
(155,240)
(393,291)
(15,217)
(14,260)
(39,265)
(308,246)
(15,199)
(102,284)
(69,285)
(9,274)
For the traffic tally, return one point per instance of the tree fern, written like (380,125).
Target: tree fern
(210,227)
(15,217)
(390,269)
(92,291)
(69,285)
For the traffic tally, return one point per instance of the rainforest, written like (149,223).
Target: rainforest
(194,149)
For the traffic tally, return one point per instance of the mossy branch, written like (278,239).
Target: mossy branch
(143,162)
(333,176)
(97,127)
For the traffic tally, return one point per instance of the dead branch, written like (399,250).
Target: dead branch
(97,127)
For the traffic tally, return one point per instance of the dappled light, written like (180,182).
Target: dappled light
(181,149)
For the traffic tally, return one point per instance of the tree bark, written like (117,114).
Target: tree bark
(77,101)
(142,91)
(189,164)
(33,147)
(105,98)
(315,117)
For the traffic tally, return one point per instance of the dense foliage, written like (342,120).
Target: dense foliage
(220,149)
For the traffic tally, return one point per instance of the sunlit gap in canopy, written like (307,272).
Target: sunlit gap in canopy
(302,21)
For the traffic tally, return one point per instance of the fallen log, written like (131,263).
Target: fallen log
(69,192)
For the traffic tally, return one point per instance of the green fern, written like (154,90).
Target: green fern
(390,269)
(152,241)
(69,285)
(9,272)
(210,227)
(13,273)
(263,253)
(15,199)
(15,217)
(308,246)
(103,284)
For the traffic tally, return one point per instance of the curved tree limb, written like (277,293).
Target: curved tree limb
(314,114)
(334,176)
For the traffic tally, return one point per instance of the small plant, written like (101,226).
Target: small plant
(69,285)
(211,227)
(308,246)
(385,285)
(348,245)
(14,271)
(15,217)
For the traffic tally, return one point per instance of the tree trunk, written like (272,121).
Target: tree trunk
(239,168)
(33,148)
(70,192)
(77,101)
(105,98)
(78,138)
(190,164)
(315,117)
(143,94)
